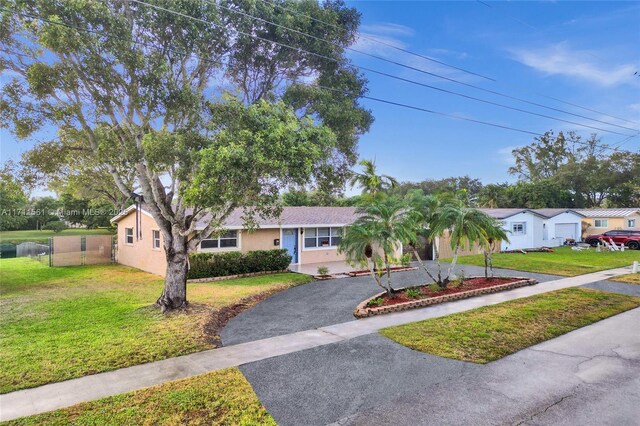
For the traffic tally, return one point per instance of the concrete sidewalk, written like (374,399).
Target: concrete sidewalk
(58,395)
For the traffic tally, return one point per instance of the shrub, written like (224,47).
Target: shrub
(434,287)
(405,259)
(323,270)
(207,265)
(375,302)
(55,226)
(412,293)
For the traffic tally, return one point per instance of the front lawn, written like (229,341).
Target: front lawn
(629,278)
(17,237)
(492,332)
(66,322)
(563,261)
(220,398)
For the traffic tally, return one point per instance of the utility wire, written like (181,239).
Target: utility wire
(451,116)
(239,12)
(471,85)
(376,40)
(395,77)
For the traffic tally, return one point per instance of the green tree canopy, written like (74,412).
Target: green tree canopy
(181,95)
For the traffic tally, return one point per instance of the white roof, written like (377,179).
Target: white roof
(622,212)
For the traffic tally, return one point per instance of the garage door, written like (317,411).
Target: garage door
(566,230)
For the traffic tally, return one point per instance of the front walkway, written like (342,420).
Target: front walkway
(335,268)
(57,395)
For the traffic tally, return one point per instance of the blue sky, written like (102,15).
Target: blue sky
(582,52)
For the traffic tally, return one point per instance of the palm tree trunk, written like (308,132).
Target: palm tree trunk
(436,257)
(453,262)
(374,273)
(422,265)
(486,263)
(491,262)
(387,266)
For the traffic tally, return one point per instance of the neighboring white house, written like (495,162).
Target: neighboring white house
(532,228)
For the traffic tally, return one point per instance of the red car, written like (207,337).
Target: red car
(630,239)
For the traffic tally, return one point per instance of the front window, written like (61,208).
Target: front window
(227,240)
(156,238)
(128,235)
(519,228)
(322,237)
(631,223)
(601,223)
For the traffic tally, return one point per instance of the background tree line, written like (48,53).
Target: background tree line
(554,171)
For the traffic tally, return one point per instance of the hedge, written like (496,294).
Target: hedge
(207,265)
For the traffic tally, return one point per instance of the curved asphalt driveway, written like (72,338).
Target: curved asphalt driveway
(322,303)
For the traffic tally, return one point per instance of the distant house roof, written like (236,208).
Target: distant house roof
(290,216)
(609,212)
(295,216)
(544,213)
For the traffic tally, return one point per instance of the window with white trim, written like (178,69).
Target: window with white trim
(128,235)
(322,237)
(155,234)
(601,223)
(631,223)
(519,228)
(227,240)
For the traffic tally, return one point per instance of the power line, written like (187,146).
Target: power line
(471,85)
(395,77)
(423,71)
(360,35)
(452,116)
(456,117)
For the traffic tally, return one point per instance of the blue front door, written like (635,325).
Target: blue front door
(290,242)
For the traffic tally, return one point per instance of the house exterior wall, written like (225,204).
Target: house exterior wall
(614,223)
(563,218)
(532,223)
(260,239)
(141,253)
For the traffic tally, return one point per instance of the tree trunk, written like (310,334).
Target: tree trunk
(388,269)
(174,294)
(436,257)
(452,266)
(421,263)
(491,263)
(486,263)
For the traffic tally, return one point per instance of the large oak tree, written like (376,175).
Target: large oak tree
(197,101)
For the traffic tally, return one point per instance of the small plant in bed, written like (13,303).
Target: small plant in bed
(412,293)
(323,270)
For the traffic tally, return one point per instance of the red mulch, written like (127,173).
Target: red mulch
(426,292)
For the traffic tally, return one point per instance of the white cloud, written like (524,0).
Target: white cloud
(506,155)
(560,59)
(388,28)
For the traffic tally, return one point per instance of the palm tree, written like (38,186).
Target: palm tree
(466,226)
(370,182)
(494,233)
(375,235)
(425,210)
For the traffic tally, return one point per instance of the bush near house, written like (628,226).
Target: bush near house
(208,265)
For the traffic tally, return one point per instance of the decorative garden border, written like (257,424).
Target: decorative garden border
(363,310)
(230,277)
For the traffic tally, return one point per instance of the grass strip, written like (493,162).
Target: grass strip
(219,398)
(485,334)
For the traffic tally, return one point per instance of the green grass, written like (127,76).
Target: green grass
(17,237)
(629,278)
(492,332)
(563,261)
(61,323)
(220,398)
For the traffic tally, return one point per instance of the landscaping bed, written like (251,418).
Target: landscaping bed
(420,296)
